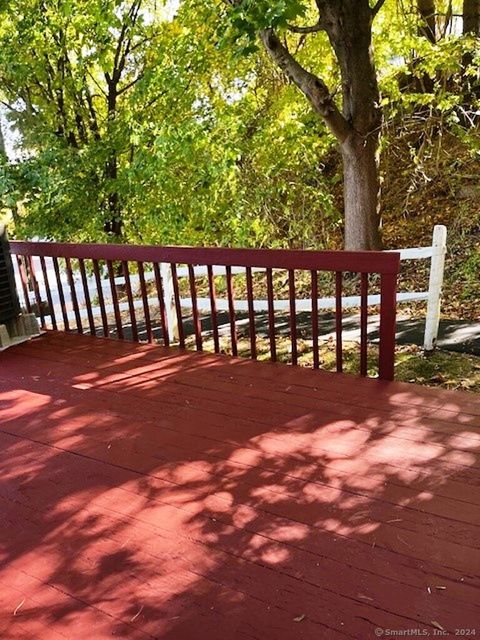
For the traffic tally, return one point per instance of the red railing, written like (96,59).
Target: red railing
(74,291)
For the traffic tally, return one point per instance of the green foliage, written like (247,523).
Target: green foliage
(211,146)
(242,22)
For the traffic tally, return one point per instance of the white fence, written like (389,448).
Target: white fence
(435,253)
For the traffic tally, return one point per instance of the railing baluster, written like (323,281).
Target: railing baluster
(161,303)
(48,291)
(146,309)
(338,322)
(213,309)
(86,292)
(293,315)
(386,265)
(363,323)
(61,295)
(314,296)
(388,302)
(197,326)
(101,299)
(36,290)
(116,308)
(178,306)
(73,295)
(251,315)
(231,311)
(271,317)
(23,277)
(131,306)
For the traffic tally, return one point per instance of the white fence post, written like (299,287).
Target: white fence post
(168,296)
(437,265)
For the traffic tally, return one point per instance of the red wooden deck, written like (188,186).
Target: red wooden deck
(152,493)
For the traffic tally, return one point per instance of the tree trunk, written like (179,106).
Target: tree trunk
(114,224)
(471,17)
(3,151)
(471,87)
(428,27)
(348,24)
(348,27)
(361,193)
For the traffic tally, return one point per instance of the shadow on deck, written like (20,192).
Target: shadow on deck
(154,493)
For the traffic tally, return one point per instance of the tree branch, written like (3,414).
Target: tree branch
(97,84)
(10,108)
(132,83)
(124,42)
(311,85)
(314,28)
(377,6)
(133,15)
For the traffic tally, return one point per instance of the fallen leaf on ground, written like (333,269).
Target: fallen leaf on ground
(18,607)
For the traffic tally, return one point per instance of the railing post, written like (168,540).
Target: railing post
(437,267)
(168,294)
(388,312)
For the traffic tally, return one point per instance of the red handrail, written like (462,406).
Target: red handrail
(355,261)
(386,265)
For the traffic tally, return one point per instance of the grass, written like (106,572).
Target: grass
(442,369)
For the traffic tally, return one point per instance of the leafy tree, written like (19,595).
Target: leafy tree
(132,113)
(356,125)
(67,83)
(188,139)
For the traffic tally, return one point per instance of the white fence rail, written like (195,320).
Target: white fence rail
(435,253)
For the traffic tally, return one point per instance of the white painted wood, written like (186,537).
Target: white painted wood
(301,304)
(218,270)
(169,299)
(437,267)
(182,272)
(414,253)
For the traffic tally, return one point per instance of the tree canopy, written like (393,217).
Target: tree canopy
(173,123)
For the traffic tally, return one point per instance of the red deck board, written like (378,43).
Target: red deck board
(147,492)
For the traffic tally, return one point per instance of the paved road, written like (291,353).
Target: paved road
(454,335)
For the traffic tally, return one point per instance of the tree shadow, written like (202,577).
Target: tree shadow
(453,335)
(154,493)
